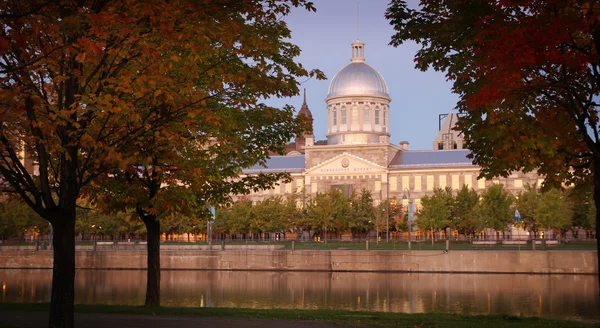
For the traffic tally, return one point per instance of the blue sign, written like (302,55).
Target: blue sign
(517,216)
(212,213)
(410,211)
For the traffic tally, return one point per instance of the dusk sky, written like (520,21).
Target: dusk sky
(325,38)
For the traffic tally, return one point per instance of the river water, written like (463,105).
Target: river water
(558,296)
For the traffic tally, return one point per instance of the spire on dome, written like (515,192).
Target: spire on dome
(358,52)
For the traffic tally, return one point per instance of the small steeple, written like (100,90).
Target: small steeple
(304,109)
(304,103)
(358,52)
(301,139)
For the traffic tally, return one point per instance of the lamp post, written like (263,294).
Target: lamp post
(209,224)
(387,220)
(410,217)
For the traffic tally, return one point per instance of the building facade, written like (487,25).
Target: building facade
(358,154)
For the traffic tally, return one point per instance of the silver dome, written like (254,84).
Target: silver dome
(358,79)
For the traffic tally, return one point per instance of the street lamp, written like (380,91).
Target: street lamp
(410,210)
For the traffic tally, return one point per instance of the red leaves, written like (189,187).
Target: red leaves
(88,46)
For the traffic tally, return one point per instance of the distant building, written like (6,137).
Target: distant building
(358,153)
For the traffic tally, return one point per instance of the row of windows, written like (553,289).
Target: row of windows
(396,184)
(366,117)
(443,183)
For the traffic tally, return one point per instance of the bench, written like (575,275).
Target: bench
(514,242)
(549,242)
(484,242)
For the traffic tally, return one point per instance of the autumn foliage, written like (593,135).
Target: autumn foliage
(528,76)
(92,87)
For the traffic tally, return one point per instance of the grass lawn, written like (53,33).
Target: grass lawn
(376,319)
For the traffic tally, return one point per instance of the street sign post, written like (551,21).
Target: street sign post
(518,220)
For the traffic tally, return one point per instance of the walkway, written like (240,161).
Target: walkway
(99,320)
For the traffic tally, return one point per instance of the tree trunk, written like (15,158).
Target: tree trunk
(63,273)
(597,203)
(153,273)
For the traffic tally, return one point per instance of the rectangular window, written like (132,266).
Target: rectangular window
(417,182)
(496,181)
(313,187)
(299,185)
(405,184)
(288,188)
(518,183)
(343,116)
(366,117)
(335,117)
(377,116)
(481,183)
(442,181)
(539,183)
(384,114)
(393,183)
(455,182)
(377,185)
(430,182)
(468,180)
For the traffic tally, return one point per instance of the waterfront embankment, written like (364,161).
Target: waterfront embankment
(559,262)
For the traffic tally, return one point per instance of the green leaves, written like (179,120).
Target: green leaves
(494,210)
(437,210)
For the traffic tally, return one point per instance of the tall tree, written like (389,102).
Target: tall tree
(554,211)
(528,77)
(462,214)
(494,209)
(86,83)
(204,154)
(436,211)
(527,203)
(363,213)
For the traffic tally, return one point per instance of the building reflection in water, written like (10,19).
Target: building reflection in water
(565,296)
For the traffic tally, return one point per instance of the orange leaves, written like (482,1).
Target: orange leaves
(88,46)
(80,58)
(97,50)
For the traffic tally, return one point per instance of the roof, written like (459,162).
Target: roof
(280,164)
(403,159)
(358,79)
(431,158)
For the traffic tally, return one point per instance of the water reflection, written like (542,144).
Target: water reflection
(566,296)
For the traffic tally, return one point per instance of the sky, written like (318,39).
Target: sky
(325,38)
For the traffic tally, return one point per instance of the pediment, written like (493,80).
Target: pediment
(346,164)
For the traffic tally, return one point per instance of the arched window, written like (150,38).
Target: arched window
(440,145)
(377,116)
(366,115)
(343,119)
(384,115)
(334,117)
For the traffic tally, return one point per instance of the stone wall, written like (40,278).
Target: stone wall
(566,262)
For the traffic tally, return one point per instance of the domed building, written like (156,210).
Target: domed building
(358,154)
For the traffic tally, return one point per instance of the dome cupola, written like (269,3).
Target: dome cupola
(358,103)
(358,78)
